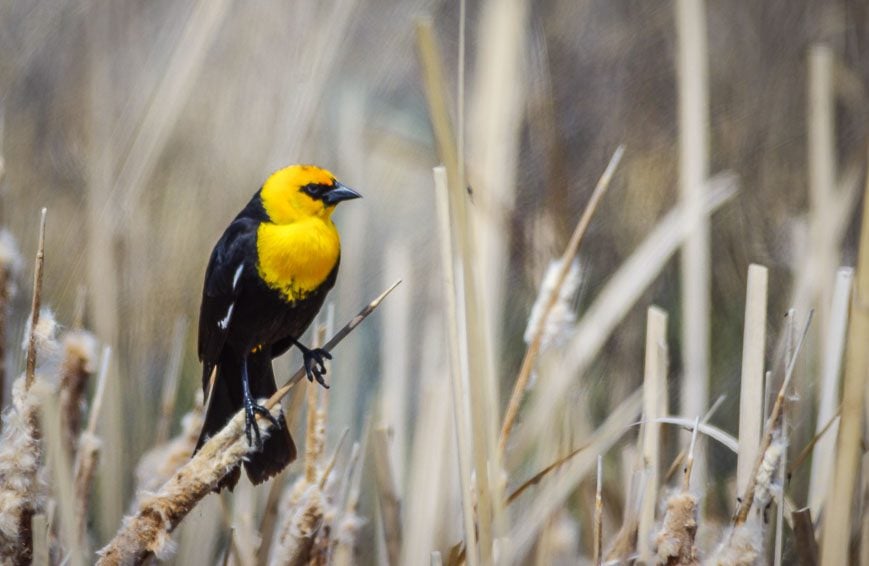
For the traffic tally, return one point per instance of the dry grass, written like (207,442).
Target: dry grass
(466,422)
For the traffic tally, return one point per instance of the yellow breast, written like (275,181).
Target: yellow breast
(296,258)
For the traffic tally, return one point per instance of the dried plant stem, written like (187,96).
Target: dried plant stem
(751,398)
(41,540)
(689,462)
(804,537)
(62,486)
(654,406)
(30,371)
(5,292)
(773,424)
(482,388)
(87,456)
(598,515)
(828,404)
(147,531)
(837,525)
(390,502)
(76,369)
(567,258)
(677,461)
(458,385)
(823,254)
(693,83)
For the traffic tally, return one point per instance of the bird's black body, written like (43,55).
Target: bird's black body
(241,317)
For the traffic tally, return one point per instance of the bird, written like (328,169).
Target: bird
(266,279)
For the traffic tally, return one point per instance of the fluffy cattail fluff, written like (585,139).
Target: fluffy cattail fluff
(48,349)
(296,538)
(675,541)
(159,463)
(562,317)
(743,546)
(79,363)
(22,489)
(148,531)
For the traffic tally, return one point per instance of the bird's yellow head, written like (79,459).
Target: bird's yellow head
(299,192)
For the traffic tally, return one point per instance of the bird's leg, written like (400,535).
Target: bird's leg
(315,362)
(251,408)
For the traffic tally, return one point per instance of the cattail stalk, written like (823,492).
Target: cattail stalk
(30,371)
(837,524)
(751,398)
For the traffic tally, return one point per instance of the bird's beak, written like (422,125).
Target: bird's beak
(339,193)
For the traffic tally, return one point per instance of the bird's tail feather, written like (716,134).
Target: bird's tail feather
(226,400)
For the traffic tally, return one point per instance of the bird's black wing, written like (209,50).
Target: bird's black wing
(234,253)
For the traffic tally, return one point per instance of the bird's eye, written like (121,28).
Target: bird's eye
(316,190)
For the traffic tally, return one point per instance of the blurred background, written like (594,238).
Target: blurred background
(144,127)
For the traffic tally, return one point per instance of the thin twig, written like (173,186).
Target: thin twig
(30,372)
(598,514)
(535,479)
(689,464)
(566,260)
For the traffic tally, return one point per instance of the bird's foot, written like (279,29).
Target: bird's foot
(251,409)
(315,364)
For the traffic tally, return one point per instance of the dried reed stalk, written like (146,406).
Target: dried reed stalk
(89,445)
(823,252)
(390,500)
(567,258)
(30,371)
(147,531)
(654,406)
(349,522)
(62,485)
(458,384)
(751,398)
(482,388)
(837,525)
(597,557)
(498,107)
(427,500)
(395,346)
(693,81)
(806,547)
(79,363)
(824,451)
(41,540)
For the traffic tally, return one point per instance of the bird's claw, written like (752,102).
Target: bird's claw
(315,365)
(251,409)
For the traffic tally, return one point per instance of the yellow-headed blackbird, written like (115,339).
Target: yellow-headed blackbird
(267,277)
